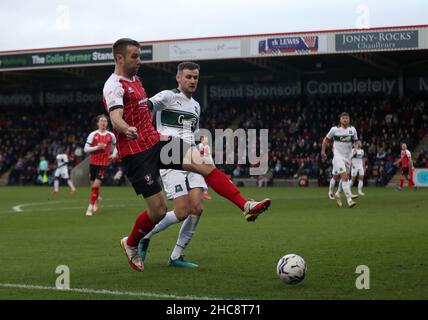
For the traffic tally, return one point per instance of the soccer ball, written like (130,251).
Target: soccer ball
(291,269)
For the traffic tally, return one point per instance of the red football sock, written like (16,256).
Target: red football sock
(143,225)
(224,187)
(401,183)
(411,183)
(94,195)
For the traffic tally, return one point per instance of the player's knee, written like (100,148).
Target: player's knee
(196,209)
(181,212)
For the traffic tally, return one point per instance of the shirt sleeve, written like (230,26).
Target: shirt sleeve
(408,154)
(198,111)
(113,95)
(355,137)
(330,134)
(161,100)
(90,139)
(113,139)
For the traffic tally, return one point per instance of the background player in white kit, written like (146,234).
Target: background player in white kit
(357,166)
(62,172)
(179,116)
(342,136)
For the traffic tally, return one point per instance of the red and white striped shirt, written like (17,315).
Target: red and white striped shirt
(120,92)
(101,157)
(406,156)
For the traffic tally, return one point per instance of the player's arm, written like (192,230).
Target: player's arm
(113,95)
(88,145)
(160,101)
(409,155)
(114,151)
(397,162)
(116,117)
(325,142)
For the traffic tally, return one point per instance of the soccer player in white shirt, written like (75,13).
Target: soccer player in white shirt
(62,172)
(179,116)
(357,166)
(342,137)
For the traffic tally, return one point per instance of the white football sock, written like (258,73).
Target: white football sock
(331,186)
(90,207)
(56,185)
(186,233)
(346,185)
(169,219)
(70,184)
(360,185)
(340,187)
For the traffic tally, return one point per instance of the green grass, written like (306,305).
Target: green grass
(387,231)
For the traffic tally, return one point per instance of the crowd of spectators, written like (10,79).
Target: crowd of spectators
(39,138)
(296,130)
(298,126)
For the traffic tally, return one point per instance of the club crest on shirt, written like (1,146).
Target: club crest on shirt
(148,178)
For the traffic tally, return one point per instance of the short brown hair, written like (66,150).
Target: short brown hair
(344,114)
(100,116)
(188,65)
(119,47)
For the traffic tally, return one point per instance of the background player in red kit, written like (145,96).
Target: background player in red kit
(406,167)
(141,149)
(101,144)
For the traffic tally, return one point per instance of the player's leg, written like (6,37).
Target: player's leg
(95,192)
(144,223)
(99,175)
(217,180)
(410,178)
(196,194)
(403,176)
(56,185)
(142,170)
(331,186)
(346,184)
(361,182)
(174,182)
(66,176)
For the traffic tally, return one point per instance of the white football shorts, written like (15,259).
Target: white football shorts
(341,165)
(177,182)
(357,171)
(63,172)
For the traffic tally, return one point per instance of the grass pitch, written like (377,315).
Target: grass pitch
(386,231)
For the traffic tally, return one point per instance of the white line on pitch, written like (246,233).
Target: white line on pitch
(107,292)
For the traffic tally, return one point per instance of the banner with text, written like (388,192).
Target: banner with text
(51,98)
(65,58)
(215,49)
(288,45)
(387,86)
(377,40)
(254,91)
(414,85)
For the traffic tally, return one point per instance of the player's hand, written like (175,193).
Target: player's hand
(323,156)
(131,133)
(101,146)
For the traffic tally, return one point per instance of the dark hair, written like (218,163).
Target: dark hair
(119,47)
(188,65)
(101,116)
(344,114)
(98,117)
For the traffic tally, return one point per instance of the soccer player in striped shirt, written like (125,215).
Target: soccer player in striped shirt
(101,145)
(406,166)
(142,151)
